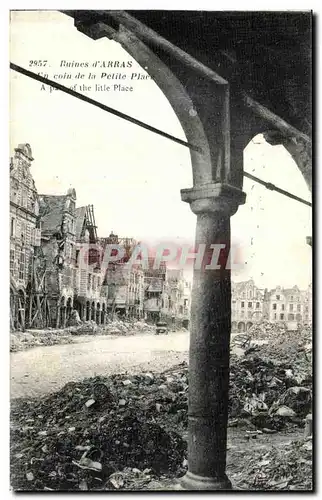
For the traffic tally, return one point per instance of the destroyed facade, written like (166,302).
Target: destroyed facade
(56,264)
(125,286)
(90,296)
(24,231)
(58,238)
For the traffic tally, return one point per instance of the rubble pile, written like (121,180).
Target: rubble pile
(266,333)
(127,327)
(266,329)
(279,468)
(279,333)
(84,328)
(271,394)
(271,378)
(20,341)
(80,436)
(113,327)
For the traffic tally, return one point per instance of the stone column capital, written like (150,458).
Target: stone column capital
(214,198)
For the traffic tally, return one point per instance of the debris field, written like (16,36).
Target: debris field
(127,431)
(20,341)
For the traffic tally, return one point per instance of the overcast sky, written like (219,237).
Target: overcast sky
(133,177)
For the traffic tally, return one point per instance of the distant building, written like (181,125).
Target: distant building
(176,298)
(154,287)
(247,305)
(187,290)
(125,290)
(290,306)
(124,285)
(24,232)
(308,305)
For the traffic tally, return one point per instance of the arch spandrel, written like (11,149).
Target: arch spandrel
(300,150)
(190,83)
(200,103)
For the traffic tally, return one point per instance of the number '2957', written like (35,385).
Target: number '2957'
(39,63)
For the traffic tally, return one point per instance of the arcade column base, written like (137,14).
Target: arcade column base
(193,482)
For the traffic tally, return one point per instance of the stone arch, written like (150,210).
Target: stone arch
(62,312)
(152,55)
(88,311)
(103,313)
(290,317)
(234,326)
(78,307)
(241,326)
(20,309)
(298,317)
(177,97)
(69,308)
(249,324)
(13,320)
(299,150)
(98,313)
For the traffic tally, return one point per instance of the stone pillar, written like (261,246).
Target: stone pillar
(201,100)
(93,313)
(58,313)
(213,204)
(69,309)
(98,315)
(64,316)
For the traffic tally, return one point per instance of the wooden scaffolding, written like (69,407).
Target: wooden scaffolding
(38,307)
(17,309)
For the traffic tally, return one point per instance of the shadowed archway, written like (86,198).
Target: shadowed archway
(218,119)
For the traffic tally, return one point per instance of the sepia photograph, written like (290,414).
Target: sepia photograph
(161,237)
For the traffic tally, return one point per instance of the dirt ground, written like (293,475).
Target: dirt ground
(46,369)
(240,450)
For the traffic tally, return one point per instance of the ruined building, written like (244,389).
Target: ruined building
(89,299)
(308,305)
(176,298)
(58,239)
(154,288)
(125,284)
(24,233)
